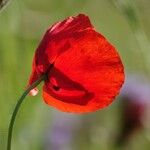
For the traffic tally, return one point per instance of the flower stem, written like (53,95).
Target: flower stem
(20,100)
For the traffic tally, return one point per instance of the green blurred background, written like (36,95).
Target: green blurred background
(125,23)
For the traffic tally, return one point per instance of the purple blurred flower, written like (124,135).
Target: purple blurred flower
(62,131)
(135,97)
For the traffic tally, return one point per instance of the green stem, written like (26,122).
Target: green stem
(43,77)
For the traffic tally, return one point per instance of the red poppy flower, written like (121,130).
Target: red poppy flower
(84,70)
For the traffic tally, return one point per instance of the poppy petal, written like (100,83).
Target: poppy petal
(89,75)
(71,24)
(49,49)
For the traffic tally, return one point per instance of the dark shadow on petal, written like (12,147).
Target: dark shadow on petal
(69,91)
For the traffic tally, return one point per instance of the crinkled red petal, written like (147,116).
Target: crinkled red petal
(88,75)
(52,45)
(87,72)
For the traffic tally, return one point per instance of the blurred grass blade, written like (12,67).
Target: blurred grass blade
(3,3)
(130,11)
